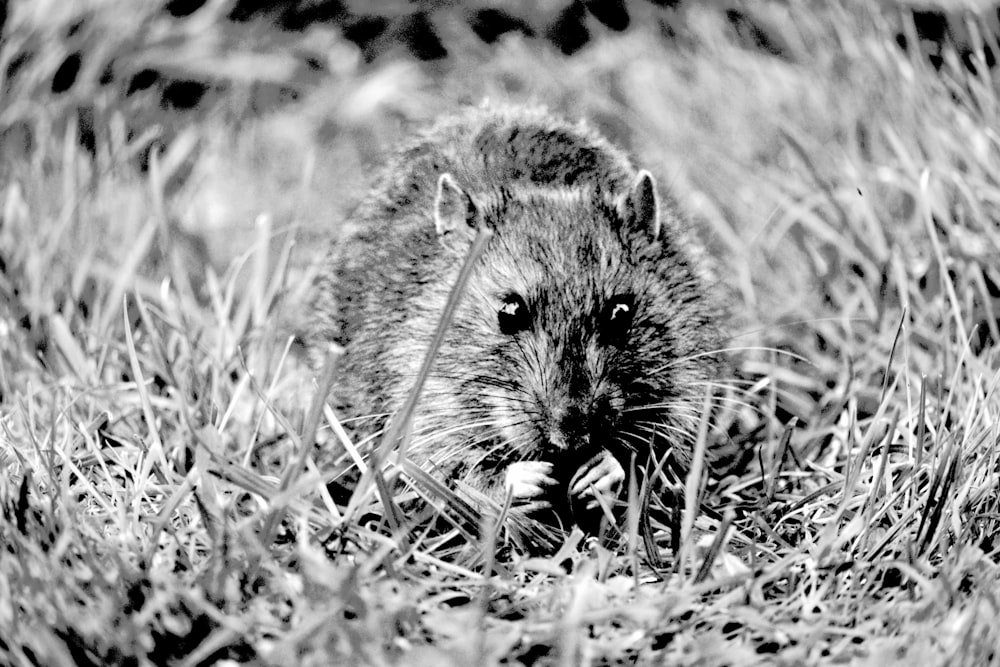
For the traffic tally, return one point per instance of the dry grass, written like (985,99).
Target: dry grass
(165,501)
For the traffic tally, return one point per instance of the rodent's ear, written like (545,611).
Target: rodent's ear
(453,208)
(641,208)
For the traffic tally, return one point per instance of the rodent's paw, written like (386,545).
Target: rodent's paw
(602,474)
(527,480)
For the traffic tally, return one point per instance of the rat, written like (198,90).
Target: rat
(587,333)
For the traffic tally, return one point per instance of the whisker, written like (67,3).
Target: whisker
(749,385)
(655,428)
(509,447)
(784,325)
(358,418)
(679,407)
(691,409)
(733,383)
(471,378)
(724,350)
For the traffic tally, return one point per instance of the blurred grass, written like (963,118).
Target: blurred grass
(150,409)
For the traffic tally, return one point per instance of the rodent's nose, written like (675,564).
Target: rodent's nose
(557,440)
(569,429)
(562,440)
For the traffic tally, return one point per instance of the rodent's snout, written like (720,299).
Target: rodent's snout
(560,441)
(574,427)
(566,428)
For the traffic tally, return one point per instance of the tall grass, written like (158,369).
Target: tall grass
(172,491)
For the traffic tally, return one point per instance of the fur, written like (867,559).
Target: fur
(577,229)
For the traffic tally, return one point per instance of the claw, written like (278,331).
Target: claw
(527,480)
(602,474)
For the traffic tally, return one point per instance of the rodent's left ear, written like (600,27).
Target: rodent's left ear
(640,208)
(453,207)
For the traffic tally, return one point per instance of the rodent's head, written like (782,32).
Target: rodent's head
(584,325)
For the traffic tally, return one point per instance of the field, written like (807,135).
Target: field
(167,184)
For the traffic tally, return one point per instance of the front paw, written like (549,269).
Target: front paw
(601,474)
(525,481)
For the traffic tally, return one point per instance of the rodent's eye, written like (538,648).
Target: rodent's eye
(617,318)
(513,315)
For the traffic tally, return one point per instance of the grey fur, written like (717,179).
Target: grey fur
(576,226)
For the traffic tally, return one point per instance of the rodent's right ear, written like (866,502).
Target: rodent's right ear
(641,206)
(453,207)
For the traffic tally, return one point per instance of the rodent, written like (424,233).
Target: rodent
(587,330)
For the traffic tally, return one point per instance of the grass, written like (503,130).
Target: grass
(165,456)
